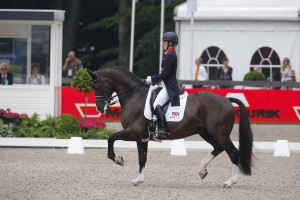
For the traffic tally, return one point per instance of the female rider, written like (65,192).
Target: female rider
(167,79)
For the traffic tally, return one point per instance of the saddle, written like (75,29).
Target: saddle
(152,127)
(154,95)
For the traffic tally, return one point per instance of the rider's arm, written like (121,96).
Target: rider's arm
(166,70)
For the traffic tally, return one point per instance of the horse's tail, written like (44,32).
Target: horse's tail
(245,139)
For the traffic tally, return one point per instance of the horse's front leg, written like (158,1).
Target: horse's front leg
(111,140)
(142,150)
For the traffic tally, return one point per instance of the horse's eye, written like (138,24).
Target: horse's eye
(96,84)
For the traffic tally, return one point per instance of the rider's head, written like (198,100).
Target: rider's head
(169,39)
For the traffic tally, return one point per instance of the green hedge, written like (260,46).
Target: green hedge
(62,127)
(254,76)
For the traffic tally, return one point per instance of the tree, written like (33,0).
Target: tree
(147,34)
(146,57)
(124,32)
(82,82)
(70,34)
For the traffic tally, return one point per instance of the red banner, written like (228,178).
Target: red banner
(263,106)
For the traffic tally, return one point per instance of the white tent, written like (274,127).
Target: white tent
(249,33)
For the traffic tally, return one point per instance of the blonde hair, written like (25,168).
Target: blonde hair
(283,62)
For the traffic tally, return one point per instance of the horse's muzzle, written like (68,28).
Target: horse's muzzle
(102,108)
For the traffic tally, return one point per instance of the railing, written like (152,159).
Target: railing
(264,84)
(217,83)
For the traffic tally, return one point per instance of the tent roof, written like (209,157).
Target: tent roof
(242,10)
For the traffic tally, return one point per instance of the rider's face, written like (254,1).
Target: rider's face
(165,45)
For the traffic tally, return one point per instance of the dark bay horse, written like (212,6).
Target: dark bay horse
(207,114)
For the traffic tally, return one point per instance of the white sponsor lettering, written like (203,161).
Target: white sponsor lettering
(80,106)
(239,96)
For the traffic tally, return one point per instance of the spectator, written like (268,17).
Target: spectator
(72,64)
(287,72)
(225,72)
(200,74)
(36,77)
(6,77)
(256,69)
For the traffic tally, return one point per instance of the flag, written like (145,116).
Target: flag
(191,5)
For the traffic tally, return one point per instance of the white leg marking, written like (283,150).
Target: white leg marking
(203,165)
(234,177)
(139,179)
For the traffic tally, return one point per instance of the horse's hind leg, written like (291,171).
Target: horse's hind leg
(206,160)
(142,150)
(233,154)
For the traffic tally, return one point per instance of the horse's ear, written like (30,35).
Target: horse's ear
(93,74)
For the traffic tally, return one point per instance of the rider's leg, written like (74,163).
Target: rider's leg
(161,99)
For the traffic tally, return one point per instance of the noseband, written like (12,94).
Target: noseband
(98,84)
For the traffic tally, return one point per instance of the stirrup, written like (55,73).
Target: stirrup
(162,136)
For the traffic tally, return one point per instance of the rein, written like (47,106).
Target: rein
(108,99)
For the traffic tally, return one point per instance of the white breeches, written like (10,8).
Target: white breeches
(161,98)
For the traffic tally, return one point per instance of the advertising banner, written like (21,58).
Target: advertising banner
(263,106)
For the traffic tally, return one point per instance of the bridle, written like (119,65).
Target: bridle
(98,84)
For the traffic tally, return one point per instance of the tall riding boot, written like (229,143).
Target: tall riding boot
(162,123)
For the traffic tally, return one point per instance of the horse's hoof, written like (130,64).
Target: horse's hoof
(136,182)
(228,184)
(225,185)
(203,173)
(133,183)
(119,160)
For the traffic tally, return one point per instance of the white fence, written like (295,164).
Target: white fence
(63,143)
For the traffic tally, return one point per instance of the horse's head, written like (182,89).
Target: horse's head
(103,91)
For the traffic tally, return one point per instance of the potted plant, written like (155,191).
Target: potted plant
(254,76)
(82,82)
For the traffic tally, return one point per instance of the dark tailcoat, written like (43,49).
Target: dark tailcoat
(168,75)
(221,75)
(9,77)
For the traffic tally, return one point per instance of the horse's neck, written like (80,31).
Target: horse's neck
(127,93)
(125,87)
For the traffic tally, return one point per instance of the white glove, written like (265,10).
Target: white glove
(148,80)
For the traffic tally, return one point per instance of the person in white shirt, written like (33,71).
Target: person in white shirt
(287,71)
(36,77)
(201,74)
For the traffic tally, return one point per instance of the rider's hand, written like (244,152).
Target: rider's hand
(148,80)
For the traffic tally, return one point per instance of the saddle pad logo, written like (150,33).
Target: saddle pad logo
(175,114)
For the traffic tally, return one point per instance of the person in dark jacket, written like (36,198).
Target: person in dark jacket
(6,78)
(225,72)
(167,79)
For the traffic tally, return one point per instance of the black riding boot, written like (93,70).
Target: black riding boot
(162,123)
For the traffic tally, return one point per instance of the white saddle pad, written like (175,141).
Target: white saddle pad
(174,113)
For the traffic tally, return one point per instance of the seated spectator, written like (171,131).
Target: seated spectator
(200,74)
(225,72)
(6,77)
(36,77)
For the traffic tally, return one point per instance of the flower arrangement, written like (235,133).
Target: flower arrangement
(90,124)
(64,126)
(9,122)
(11,117)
